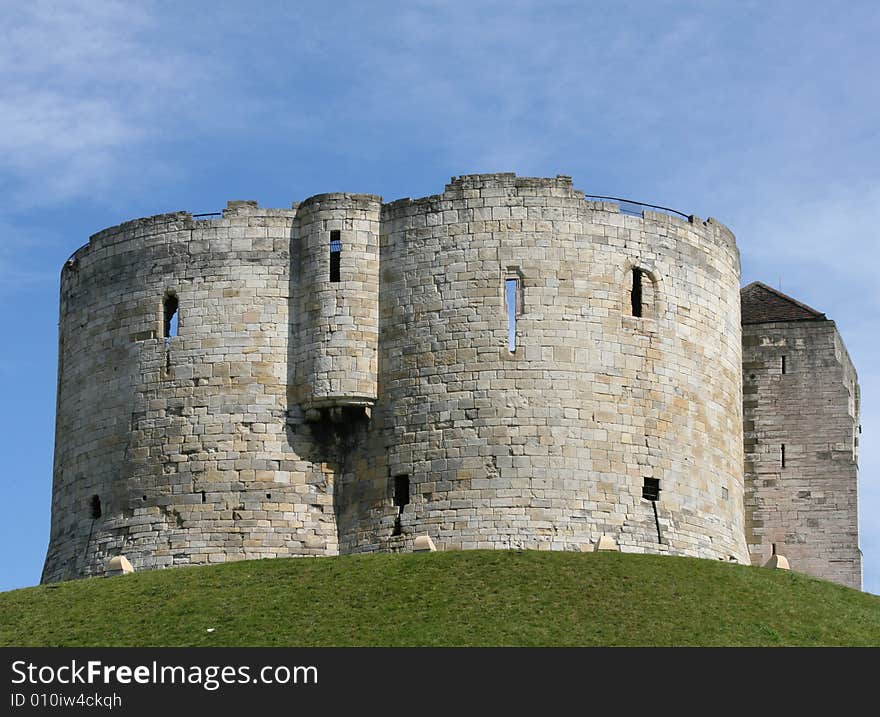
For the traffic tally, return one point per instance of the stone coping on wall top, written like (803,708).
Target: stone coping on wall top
(559,186)
(235,212)
(343,198)
(808,324)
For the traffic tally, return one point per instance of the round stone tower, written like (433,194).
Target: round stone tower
(174,439)
(503,365)
(336,290)
(552,370)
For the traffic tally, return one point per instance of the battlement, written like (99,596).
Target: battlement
(488,200)
(503,180)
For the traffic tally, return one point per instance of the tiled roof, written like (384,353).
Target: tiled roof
(762,304)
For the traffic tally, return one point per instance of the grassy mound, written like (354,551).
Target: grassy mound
(455,598)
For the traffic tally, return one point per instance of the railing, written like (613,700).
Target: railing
(628,206)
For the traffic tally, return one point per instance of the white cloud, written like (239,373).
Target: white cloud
(817,234)
(757,113)
(23,262)
(84,82)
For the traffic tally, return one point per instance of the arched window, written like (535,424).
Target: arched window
(635,293)
(170,315)
(95,507)
(641,287)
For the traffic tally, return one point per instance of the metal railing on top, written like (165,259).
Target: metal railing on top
(629,206)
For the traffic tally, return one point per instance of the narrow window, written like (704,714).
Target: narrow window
(636,294)
(400,499)
(783,364)
(95,507)
(401,491)
(335,254)
(512,293)
(855,442)
(513,300)
(782,454)
(169,316)
(204,497)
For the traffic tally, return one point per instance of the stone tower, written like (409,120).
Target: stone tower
(506,364)
(801,414)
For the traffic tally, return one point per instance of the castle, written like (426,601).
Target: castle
(507,364)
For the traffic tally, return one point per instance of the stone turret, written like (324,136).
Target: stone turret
(335,289)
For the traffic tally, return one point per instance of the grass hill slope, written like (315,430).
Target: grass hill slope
(456,598)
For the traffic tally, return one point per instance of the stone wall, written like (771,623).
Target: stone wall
(807,508)
(186,441)
(548,446)
(278,420)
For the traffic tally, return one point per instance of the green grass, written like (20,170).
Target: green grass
(455,598)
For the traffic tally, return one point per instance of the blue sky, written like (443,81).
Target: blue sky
(762,114)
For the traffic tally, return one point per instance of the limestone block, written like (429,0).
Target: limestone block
(606,543)
(779,562)
(118,565)
(424,544)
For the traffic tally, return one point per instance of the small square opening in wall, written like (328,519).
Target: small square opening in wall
(651,489)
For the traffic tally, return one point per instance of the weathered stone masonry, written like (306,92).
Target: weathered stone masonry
(801,410)
(342,381)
